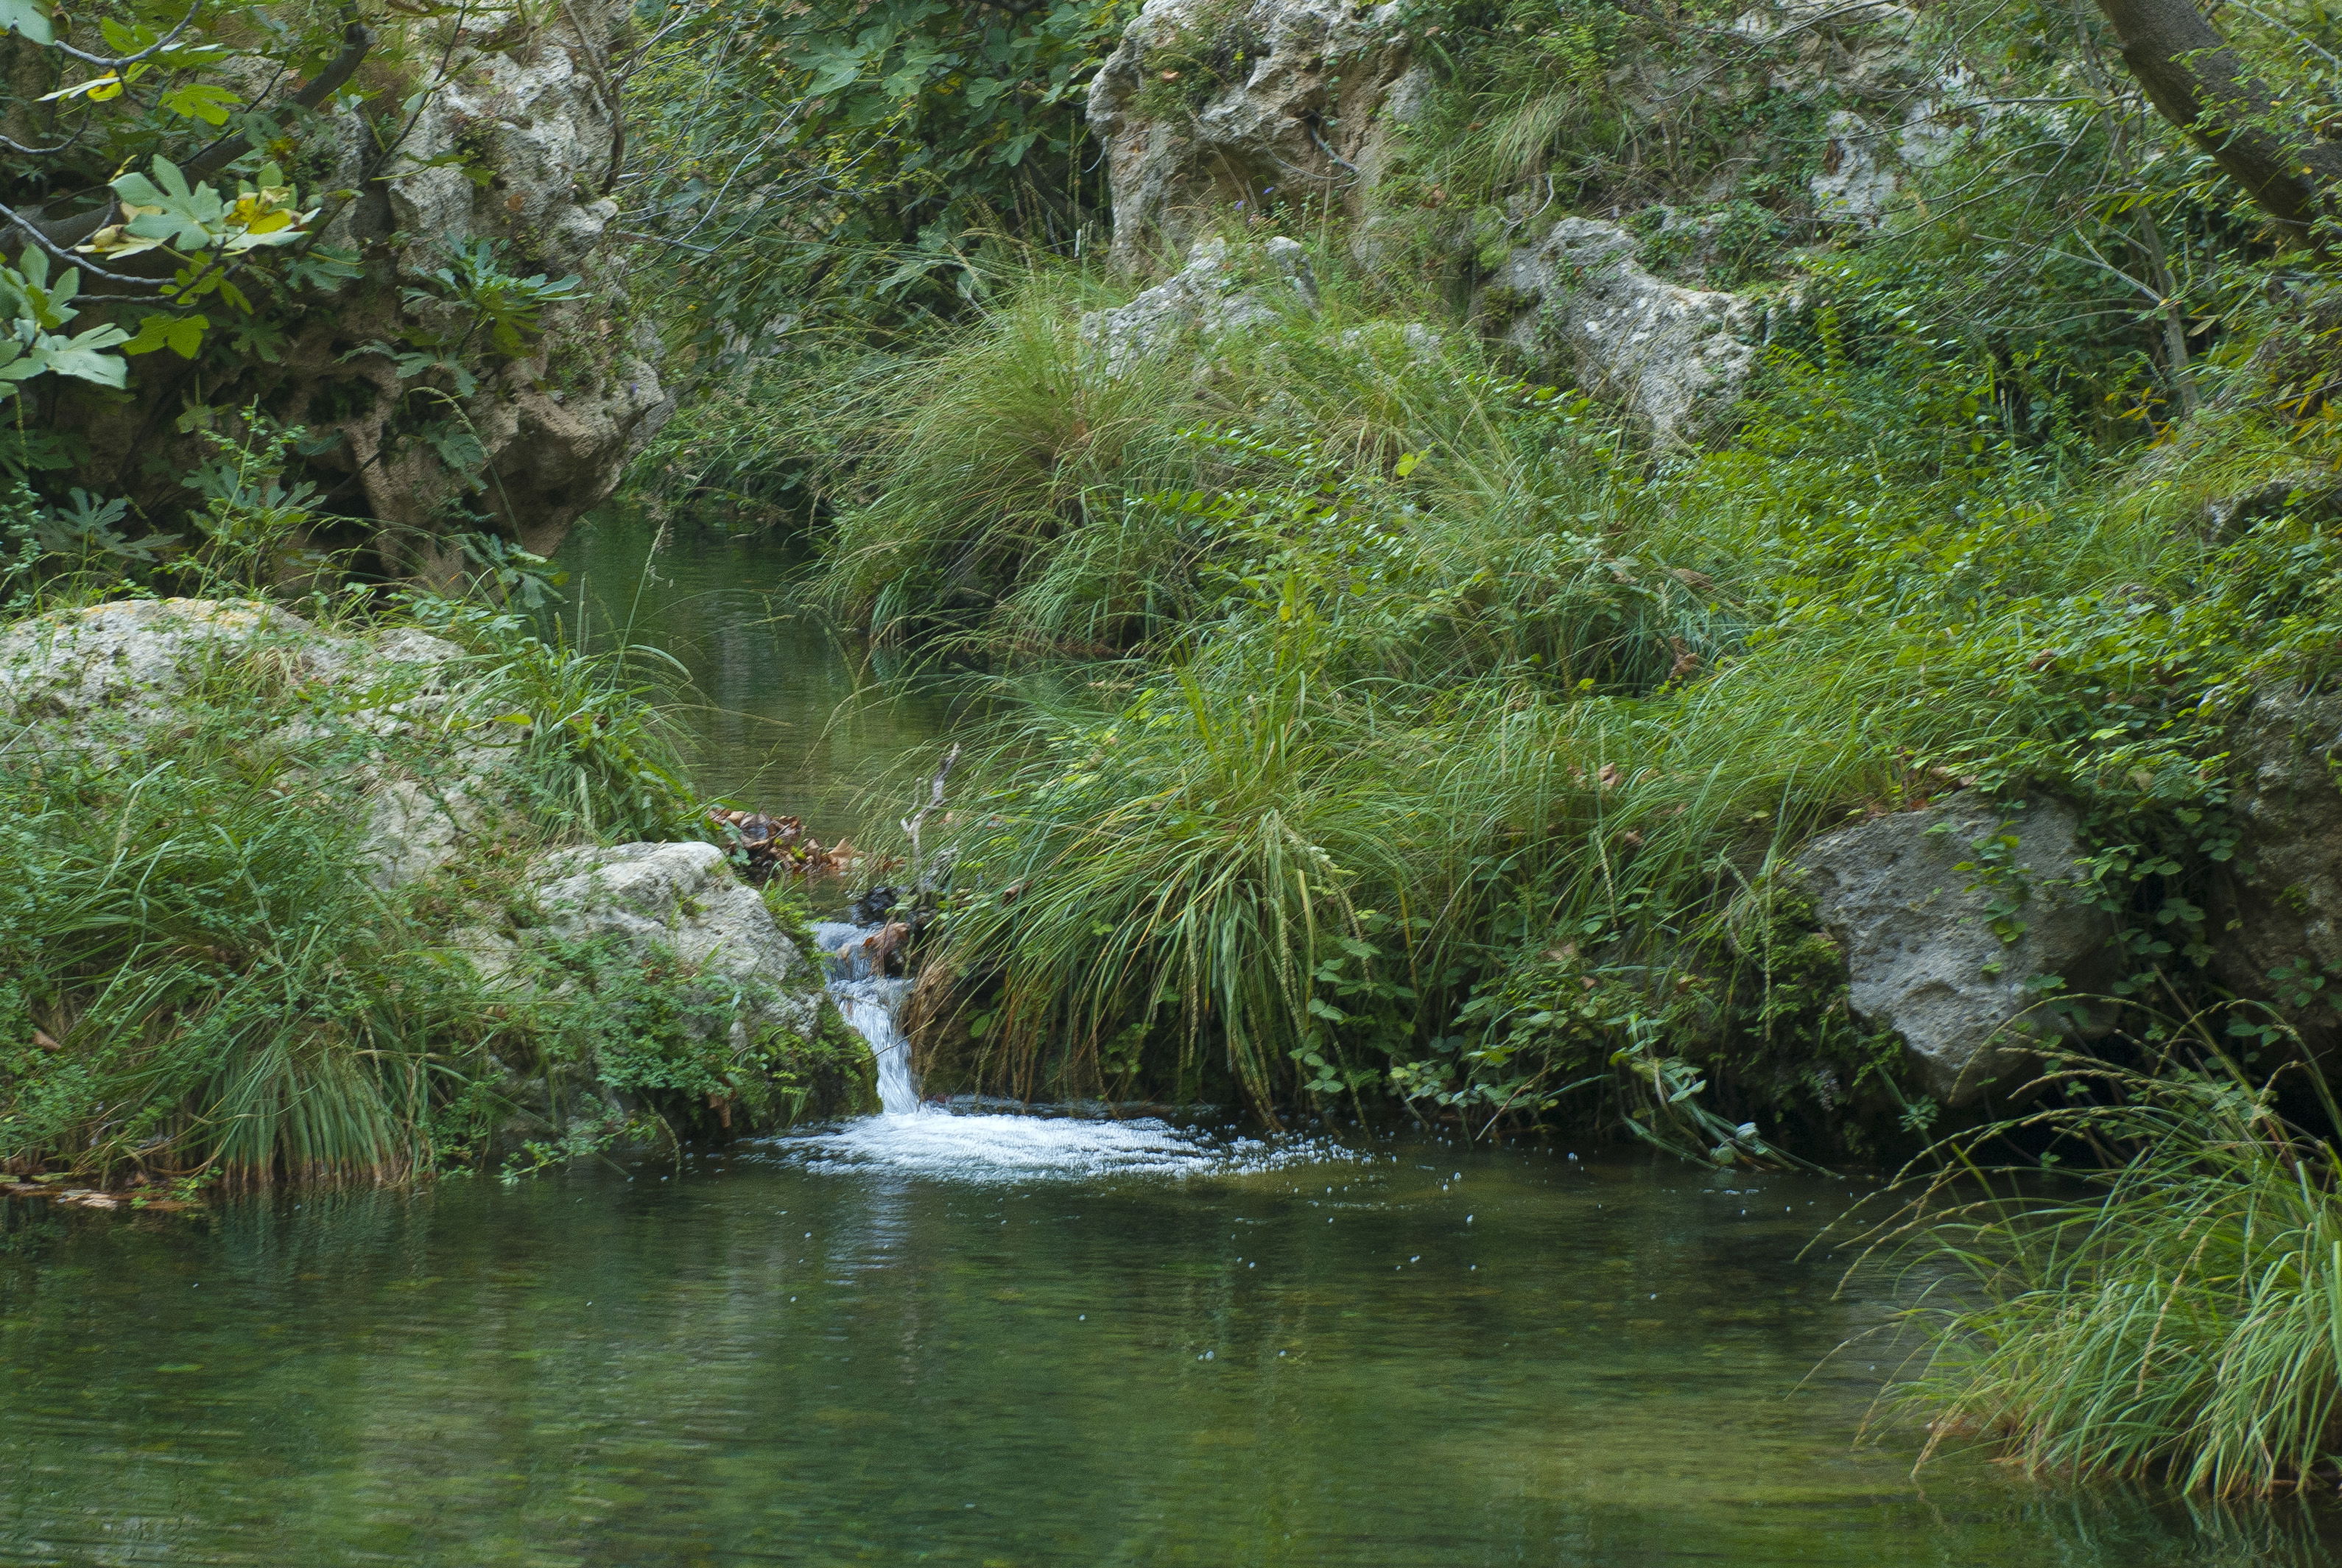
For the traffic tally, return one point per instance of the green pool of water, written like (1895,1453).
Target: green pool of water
(1426,1358)
(782,715)
(1436,1357)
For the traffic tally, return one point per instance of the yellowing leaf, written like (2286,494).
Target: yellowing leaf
(205,100)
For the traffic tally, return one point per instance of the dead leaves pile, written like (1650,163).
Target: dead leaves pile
(771,846)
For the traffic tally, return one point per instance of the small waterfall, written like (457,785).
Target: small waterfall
(970,1140)
(869,999)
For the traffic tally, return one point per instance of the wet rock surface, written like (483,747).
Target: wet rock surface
(1952,959)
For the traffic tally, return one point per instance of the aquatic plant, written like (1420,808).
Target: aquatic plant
(2158,1294)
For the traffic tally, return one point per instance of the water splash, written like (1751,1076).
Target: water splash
(935,1141)
(869,999)
(993,1149)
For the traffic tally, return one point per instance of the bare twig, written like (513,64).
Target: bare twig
(917,820)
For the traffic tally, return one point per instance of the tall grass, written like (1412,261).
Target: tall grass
(1468,745)
(2179,1315)
(203,972)
(1015,495)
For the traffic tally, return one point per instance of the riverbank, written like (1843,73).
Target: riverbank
(368,894)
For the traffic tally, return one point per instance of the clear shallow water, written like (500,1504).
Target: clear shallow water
(784,716)
(785,1356)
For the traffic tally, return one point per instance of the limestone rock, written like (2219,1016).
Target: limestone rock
(1676,358)
(107,681)
(1896,108)
(1264,99)
(1214,293)
(2276,925)
(682,898)
(110,672)
(516,147)
(1921,953)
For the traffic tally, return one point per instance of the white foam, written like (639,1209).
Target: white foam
(913,1139)
(987,1149)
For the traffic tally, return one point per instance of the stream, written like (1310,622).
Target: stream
(960,1335)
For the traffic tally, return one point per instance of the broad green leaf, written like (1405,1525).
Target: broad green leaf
(831,72)
(31,19)
(182,334)
(81,356)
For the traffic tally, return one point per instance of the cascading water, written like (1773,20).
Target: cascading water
(966,1143)
(869,999)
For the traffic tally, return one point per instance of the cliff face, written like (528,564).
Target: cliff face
(1215,112)
(1210,105)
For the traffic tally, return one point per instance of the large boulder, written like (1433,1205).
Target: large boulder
(750,1000)
(1207,105)
(112,681)
(2276,911)
(497,126)
(1953,921)
(681,899)
(1675,358)
(1220,290)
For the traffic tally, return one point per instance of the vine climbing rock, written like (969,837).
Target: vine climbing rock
(2275,913)
(1208,104)
(1675,358)
(1952,920)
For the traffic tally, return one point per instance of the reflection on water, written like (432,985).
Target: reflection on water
(784,716)
(1414,1355)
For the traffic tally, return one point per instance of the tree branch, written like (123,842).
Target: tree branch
(2198,84)
(357,40)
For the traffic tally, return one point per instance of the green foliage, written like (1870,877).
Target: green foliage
(1465,738)
(2175,1308)
(651,1035)
(848,166)
(1214,48)
(471,299)
(34,347)
(205,973)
